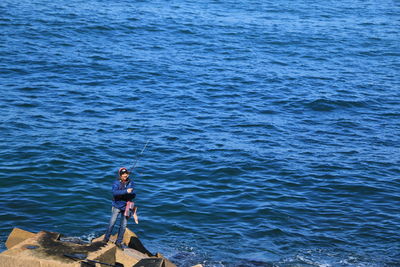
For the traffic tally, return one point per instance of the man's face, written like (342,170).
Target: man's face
(124,176)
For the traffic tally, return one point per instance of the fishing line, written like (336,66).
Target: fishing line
(137,159)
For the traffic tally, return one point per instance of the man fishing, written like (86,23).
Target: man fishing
(123,194)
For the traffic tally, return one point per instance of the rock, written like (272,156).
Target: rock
(130,240)
(47,249)
(17,236)
(167,263)
(150,262)
(128,256)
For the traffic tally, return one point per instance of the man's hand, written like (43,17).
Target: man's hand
(129,190)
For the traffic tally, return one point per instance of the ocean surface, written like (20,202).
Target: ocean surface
(272,126)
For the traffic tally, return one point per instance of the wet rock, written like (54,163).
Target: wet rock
(150,262)
(48,249)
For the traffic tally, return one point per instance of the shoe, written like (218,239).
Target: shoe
(119,245)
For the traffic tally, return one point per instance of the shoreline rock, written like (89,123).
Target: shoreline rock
(49,249)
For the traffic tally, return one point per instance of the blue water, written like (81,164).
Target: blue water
(273,126)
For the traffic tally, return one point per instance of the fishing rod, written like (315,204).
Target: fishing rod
(137,159)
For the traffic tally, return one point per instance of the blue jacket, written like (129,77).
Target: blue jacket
(121,195)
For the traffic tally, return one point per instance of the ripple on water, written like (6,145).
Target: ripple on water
(272,126)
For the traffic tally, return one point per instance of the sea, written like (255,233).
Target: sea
(272,127)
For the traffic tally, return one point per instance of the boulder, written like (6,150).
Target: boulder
(48,249)
(166,262)
(150,262)
(17,236)
(131,240)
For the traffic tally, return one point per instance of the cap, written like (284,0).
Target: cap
(122,171)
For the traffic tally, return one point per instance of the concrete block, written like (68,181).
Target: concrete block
(137,255)
(150,262)
(130,239)
(136,244)
(47,249)
(128,256)
(17,236)
(105,254)
(29,253)
(166,262)
(11,261)
(127,236)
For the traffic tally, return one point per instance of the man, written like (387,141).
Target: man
(123,191)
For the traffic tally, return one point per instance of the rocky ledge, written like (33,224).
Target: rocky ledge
(48,249)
